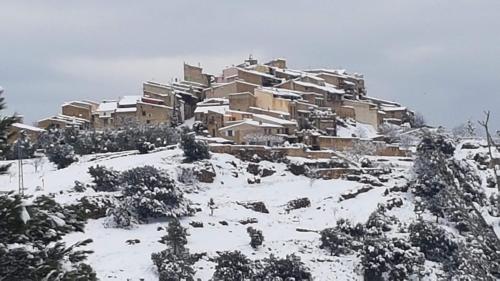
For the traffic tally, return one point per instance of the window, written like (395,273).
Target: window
(148,121)
(143,113)
(229,133)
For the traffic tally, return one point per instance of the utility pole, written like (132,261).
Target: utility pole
(20,163)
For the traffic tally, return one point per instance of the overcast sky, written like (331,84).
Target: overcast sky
(441,58)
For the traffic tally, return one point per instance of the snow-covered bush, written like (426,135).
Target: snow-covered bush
(343,238)
(22,148)
(105,179)
(256,237)
(62,155)
(233,266)
(110,140)
(379,221)
(121,216)
(152,193)
(194,150)
(144,146)
(390,259)
(432,240)
(288,268)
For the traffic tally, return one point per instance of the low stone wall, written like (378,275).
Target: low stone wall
(343,143)
(289,151)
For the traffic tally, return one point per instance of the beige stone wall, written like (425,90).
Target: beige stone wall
(51,123)
(76,111)
(365,112)
(223,91)
(240,132)
(153,114)
(330,79)
(122,119)
(336,143)
(266,100)
(280,63)
(250,77)
(241,101)
(195,74)
(345,112)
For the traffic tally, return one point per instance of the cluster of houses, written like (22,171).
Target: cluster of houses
(249,103)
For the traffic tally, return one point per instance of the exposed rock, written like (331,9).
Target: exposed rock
(298,204)
(223,222)
(353,193)
(205,172)
(394,203)
(253,168)
(248,221)
(133,241)
(253,180)
(196,224)
(256,206)
(470,145)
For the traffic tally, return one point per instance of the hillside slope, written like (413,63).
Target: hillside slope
(285,232)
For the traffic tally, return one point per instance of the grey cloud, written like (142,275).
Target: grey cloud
(441,58)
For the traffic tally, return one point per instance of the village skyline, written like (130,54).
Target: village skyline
(409,46)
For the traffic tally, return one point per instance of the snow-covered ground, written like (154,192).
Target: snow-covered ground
(114,259)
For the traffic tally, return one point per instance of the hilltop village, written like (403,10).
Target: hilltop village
(252,103)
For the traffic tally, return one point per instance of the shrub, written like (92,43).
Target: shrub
(256,237)
(288,268)
(432,241)
(194,150)
(105,179)
(233,266)
(62,155)
(152,193)
(395,259)
(343,238)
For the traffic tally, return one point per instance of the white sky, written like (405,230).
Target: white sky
(441,58)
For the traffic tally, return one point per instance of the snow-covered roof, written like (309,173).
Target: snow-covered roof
(128,100)
(126,109)
(214,108)
(393,108)
(77,103)
(107,106)
(252,123)
(27,127)
(327,88)
(282,92)
(271,119)
(66,119)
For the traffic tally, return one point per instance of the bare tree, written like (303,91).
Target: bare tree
(489,139)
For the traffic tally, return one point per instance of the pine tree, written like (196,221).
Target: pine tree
(5,124)
(176,237)
(194,150)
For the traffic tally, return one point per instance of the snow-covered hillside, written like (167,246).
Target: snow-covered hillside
(285,232)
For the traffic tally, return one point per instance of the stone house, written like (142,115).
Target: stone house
(80,109)
(252,132)
(223,90)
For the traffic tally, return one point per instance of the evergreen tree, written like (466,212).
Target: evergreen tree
(176,237)
(194,150)
(30,247)
(5,124)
